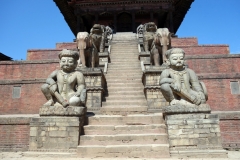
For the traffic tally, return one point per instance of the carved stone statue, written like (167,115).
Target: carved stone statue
(180,85)
(161,43)
(109,33)
(87,50)
(65,87)
(149,30)
(98,35)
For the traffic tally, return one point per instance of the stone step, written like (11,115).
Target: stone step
(124,54)
(124,79)
(124,151)
(119,52)
(124,83)
(124,47)
(123,110)
(125,97)
(123,58)
(126,102)
(122,139)
(136,71)
(115,69)
(128,64)
(121,76)
(126,92)
(134,119)
(130,60)
(124,66)
(49,154)
(126,42)
(124,129)
(112,75)
(122,91)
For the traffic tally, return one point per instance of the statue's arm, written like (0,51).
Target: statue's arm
(165,77)
(194,81)
(80,83)
(52,78)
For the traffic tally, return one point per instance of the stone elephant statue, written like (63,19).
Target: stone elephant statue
(88,52)
(160,44)
(98,36)
(149,30)
(109,34)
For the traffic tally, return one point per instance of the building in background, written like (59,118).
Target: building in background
(20,81)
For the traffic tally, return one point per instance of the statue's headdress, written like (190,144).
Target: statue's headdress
(169,52)
(68,53)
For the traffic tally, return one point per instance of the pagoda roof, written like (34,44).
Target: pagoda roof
(3,57)
(67,9)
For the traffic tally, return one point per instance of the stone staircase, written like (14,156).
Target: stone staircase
(124,78)
(124,129)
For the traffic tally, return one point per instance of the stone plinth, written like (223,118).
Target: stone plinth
(193,134)
(152,91)
(95,84)
(103,58)
(54,133)
(61,111)
(181,109)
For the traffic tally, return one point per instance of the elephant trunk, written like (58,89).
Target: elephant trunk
(82,57)
(164,49)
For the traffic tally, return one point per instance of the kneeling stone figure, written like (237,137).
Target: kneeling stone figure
(180,85)
(65,87)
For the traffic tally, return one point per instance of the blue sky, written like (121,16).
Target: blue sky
(38,24)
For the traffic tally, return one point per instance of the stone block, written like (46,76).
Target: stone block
(204,130)
(64,135)
(61,111)
(214,130)
(178,109)
(58,134)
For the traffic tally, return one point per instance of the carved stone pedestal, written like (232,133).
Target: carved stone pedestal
(193,132)
(152,91)
(58,128)
(95,83)
(54,133)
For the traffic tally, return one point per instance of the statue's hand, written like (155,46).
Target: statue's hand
(65,104)
(77,94)
(176,87)
(196,100)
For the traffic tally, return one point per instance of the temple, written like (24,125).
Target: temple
(124,15)
(122,109)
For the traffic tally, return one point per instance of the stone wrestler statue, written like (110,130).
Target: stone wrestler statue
(180,85)
(65,87)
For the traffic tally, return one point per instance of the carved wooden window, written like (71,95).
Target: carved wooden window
(16,92)
(235,89)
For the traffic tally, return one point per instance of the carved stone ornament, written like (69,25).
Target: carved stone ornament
(65,87)
(180,85)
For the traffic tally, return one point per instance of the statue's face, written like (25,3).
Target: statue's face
(151,27)
(97,29)
(67,64)
(177,59)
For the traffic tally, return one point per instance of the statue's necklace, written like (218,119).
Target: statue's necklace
(65,78)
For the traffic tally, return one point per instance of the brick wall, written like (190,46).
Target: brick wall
(184,41)
(214,63)
(42,54)
(70,45)
(219,95)
(31,98)
(230,132)
(14,133)
(20,70)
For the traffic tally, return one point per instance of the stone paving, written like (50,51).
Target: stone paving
(232,155)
